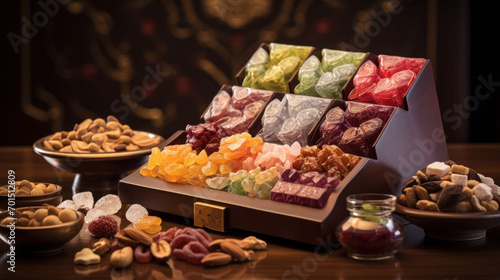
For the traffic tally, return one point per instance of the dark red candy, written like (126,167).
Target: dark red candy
(353,143)
(104,226)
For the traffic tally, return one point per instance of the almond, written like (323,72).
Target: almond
(234,250)
(138,235)
(216,259)
(215,245)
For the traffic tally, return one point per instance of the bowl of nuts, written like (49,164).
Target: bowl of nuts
(40,229)
(450,202)
(26,193)
(99,152)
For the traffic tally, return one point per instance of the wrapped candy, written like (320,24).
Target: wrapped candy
(388,84)
(355,130)
(280,123)
(234,114)
(273,71)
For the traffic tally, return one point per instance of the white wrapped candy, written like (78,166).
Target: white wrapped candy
(483,192)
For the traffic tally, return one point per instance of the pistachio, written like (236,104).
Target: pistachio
(114,134)
(108,147)
(87,137)
(80,146)
(72,135)
(66,142)
(80,132)
(57,136)
(161,250)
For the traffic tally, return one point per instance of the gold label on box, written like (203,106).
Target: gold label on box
(210,216)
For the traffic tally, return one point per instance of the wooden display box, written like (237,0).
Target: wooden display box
(411,139)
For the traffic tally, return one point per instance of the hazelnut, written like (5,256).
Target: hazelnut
(67,215)
(40,214)
(51,220)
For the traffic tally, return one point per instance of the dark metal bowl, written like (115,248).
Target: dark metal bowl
(96,172)
(41,239)
(451,226)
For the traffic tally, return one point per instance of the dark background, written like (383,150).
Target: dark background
(86,59)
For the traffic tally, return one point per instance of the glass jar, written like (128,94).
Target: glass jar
(371,232)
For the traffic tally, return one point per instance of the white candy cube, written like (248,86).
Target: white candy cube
(437,168)
(483,192)
(486,180)
(459,179)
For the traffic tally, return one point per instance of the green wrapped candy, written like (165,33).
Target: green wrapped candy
(307,86)
(274,79)
(253,76)
(310,68)
(279,52)
(289,65)
(334,58)
(330,84)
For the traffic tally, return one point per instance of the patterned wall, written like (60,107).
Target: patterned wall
(156,64)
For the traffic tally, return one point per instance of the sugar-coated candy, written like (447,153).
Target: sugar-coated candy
(109,203)
(438,168)
(483,192)
(135,211)
(330,83)
(149,224)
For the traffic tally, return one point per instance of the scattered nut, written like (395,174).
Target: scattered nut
(234,250)
(122,258)
(216,259)
(86,257)
(101,247)
(161,250)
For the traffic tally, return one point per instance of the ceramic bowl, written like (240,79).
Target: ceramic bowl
(99,173)
(451,226)
(41,239)
(53,198)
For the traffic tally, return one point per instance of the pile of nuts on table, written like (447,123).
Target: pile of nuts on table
(98,136)
(449,187)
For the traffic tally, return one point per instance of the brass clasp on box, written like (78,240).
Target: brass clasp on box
(210,216)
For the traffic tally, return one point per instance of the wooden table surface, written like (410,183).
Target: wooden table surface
(420,258)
